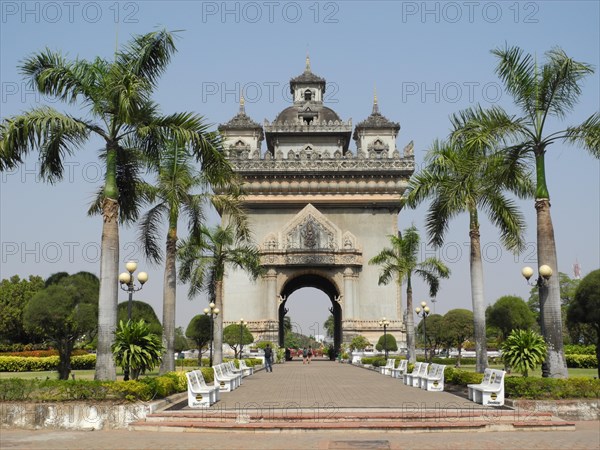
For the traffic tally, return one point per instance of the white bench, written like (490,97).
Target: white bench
(200,395)
(246,370)
(387,369)
(408,377)
(224,382)
(491,390)
(401,369)
(232,370)
(434,380)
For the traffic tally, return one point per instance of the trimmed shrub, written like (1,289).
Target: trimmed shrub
(573,349)
(147,388)
(581,361)
(551,388)
(456,376)
(32,364)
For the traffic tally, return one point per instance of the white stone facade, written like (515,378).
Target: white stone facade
(318,213)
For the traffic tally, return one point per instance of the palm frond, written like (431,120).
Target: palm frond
(53,133)
(148,55)
(148,232)
(586,135)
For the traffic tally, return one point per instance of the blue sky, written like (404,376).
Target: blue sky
(426,59)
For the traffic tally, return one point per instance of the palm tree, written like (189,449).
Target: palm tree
(399,263)
(204,262)
(173,193)
(460,178)
(541,93)
(117,96)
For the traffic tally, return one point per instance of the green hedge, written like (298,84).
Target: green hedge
(532,387)
(551,388)
(572,349)
(145,389)
(28,364)
(581,361)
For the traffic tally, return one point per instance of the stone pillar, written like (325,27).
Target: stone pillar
(272,303)
(349,294)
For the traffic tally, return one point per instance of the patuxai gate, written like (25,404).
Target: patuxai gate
(318,212)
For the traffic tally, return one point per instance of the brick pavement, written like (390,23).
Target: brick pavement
(329,386)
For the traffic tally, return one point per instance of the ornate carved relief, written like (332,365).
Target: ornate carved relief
(311,230)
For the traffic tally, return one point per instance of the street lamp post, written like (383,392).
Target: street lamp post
(127,283)
(423,312)
(242,323)
(211,312)
(384,323)
(545,272)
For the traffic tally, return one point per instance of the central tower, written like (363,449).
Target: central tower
(318,212)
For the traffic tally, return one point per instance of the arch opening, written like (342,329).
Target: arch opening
(322,284)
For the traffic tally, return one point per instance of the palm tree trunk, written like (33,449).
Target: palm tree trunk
(477,297)
(555,365)
(169,298)
(218,331)
(410,324)
(107,303)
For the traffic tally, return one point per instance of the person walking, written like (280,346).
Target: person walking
(304,355)
(310,353)
(268,358)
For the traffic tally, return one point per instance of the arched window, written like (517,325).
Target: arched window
(308,95)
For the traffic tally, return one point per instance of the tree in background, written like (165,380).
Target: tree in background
(140,311)
(198,330)
(387,342)
(585,308)
(523,350)
(399,263)
(181,342)
(545,94)
(64,312)
(359,343)
(15,294)
(205,258)
(136,349)
(457,328)
(510,313)
(231,336)
(435,335)
(329,326)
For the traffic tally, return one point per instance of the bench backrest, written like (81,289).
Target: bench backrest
(423,369)
(200,378)
(403,364)
(243,364)
(497,378)
(487,376)
(416,367)
(192,381)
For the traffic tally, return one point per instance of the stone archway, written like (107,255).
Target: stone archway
(324,284)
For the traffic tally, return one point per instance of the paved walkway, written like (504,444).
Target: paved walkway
(329,388)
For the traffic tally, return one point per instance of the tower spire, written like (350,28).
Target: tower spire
(375,105)
(242,104)
(307,68)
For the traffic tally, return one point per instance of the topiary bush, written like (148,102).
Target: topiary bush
(573,349)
